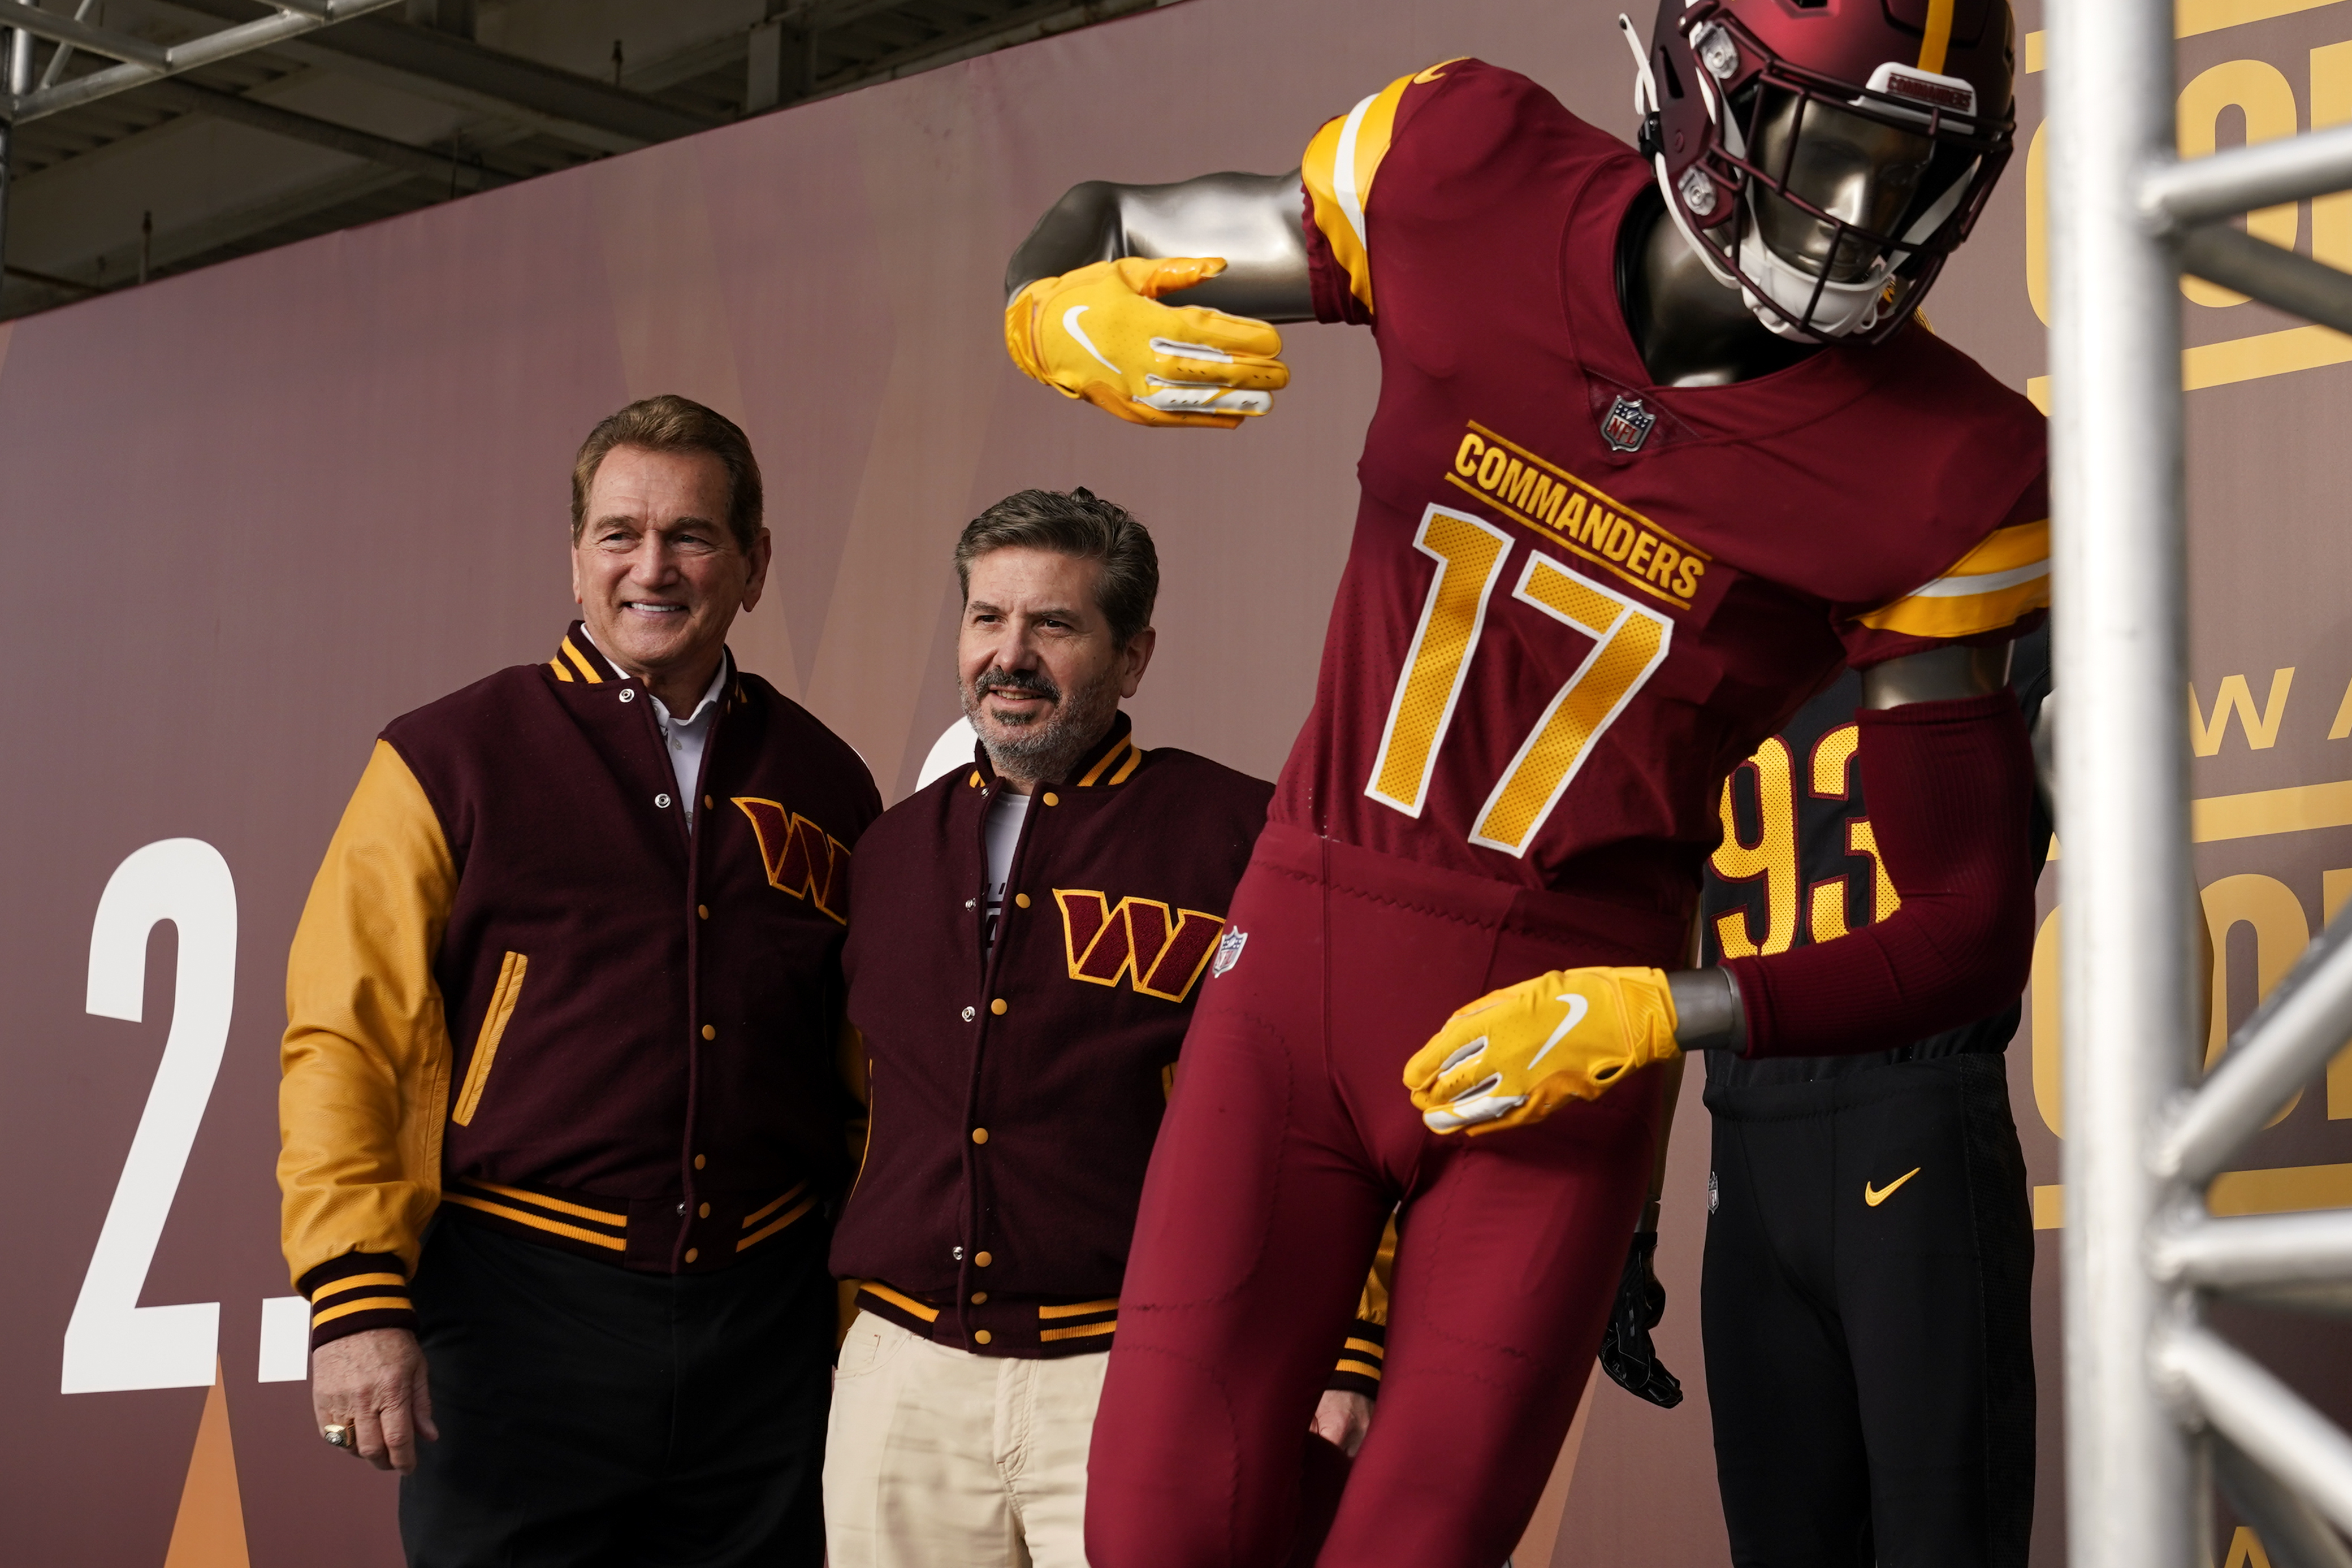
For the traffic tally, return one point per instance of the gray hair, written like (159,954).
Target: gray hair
(1073,523)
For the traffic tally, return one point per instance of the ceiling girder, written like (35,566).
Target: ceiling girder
(543,89)
(142,62)
(191,98)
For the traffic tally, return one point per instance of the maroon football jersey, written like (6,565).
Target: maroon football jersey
(1576,601)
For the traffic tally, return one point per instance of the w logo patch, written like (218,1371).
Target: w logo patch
(1139,940)
(801,858)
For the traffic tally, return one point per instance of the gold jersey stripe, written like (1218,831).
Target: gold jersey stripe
(368,1304)
(1339,169)
(766,1209)
(619,1219)
(536,1222)
(1134,756)
(359,1282)
(1079,1308)
(904,1303)
(560,673)
(1367,1346)
(2020,544)
(1962,616)
(797,1211)
(1083,1331)
(1365,1367)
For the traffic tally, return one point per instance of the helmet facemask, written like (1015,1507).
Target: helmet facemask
(1830,204)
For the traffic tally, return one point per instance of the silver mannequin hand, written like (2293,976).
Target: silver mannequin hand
(1254,221)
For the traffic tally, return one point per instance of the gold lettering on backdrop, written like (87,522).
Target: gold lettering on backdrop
(2264,93)
(1549,500)
(2258,90)
(2205,736)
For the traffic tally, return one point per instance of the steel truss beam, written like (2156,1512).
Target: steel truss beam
(2155,1400)
(542,89)
(142,62)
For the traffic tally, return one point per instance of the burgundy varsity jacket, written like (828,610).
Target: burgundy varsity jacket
(525,994)
(1015,1092)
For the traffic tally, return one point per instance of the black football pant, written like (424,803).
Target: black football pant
(1865,1306)
(591,1415)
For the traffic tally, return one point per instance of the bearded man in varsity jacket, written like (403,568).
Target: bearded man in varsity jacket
(1031,932)
(559,1113)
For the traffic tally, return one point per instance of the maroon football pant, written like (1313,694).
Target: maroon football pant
(1289,1140)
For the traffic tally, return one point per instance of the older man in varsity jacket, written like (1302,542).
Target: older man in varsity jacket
(559,1113)
(1031,932)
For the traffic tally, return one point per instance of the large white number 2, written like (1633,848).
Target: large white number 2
(112,1341)
(1630,644)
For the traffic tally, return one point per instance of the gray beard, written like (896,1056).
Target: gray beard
(1047,749)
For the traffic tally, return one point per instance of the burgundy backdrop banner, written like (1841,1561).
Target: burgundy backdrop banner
(262,509)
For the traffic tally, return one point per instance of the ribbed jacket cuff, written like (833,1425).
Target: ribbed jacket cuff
(1359,1369)
(356,1292)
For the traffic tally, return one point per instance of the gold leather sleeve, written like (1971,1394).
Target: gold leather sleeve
(365,1059)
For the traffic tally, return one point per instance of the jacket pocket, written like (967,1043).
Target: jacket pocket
(503,998)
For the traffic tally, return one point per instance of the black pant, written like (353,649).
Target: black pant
(591,1416)
(1871,1364)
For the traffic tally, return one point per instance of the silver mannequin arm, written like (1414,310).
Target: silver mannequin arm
(1254,221)
(1937,676)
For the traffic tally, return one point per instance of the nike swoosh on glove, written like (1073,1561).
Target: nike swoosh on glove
(1627,1355)
(1100,333)
(1510,1058)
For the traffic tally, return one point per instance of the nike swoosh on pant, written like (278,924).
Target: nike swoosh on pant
(1875,1196)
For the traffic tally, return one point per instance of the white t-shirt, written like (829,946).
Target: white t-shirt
(1006,813)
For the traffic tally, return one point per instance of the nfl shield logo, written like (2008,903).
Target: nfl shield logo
(1627,424)
(1229,952)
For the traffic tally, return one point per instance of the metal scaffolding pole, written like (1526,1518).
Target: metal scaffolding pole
(19,55)
(2155,1400)
(2119,592)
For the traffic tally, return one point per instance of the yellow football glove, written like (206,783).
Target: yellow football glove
(1510,1059)
(1100,333)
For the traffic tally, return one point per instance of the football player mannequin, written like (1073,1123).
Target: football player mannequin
(1659,450)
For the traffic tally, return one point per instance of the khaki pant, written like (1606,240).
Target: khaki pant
(939,1459)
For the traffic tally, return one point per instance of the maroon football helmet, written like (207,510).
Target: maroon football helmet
(1825,156)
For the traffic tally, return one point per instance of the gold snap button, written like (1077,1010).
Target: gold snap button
(981,1336)
(1052,798)
(692,1253)
(997,1007)
(697,1162)
(704,1211)
(980,1298)
(983,1259)
(703,910)
(707,802)
(708,1032)
(1020,901)
(980,1134)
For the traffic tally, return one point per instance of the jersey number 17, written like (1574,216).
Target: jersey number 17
(1629,643)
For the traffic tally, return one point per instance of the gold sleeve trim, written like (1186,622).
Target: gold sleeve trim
(2004,578)
(503,997)
(365,1057)
(1339,170)
(369,1304)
